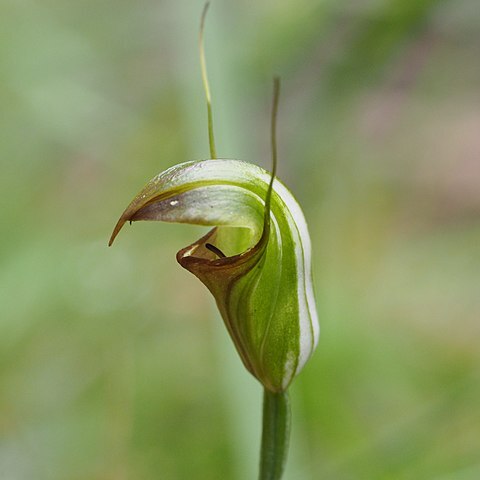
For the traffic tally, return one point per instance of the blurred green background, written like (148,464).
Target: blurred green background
(114,363)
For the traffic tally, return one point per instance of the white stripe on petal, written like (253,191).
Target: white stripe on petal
(309,325)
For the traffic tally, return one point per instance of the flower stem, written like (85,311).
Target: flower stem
(275,435)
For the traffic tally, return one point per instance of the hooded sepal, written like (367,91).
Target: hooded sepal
(256,262)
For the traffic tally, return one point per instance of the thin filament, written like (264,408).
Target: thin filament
(273,139)
(206,86)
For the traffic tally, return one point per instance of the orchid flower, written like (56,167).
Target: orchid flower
(256,262)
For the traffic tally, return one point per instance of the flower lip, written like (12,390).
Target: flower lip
(188,260)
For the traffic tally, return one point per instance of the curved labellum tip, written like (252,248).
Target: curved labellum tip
(257,266)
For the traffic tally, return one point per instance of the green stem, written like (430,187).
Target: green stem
(275,435)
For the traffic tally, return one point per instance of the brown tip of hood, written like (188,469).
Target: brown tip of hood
(118,227)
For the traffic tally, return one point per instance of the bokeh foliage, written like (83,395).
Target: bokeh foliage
(113,362)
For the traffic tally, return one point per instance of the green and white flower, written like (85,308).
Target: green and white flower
(256,261)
